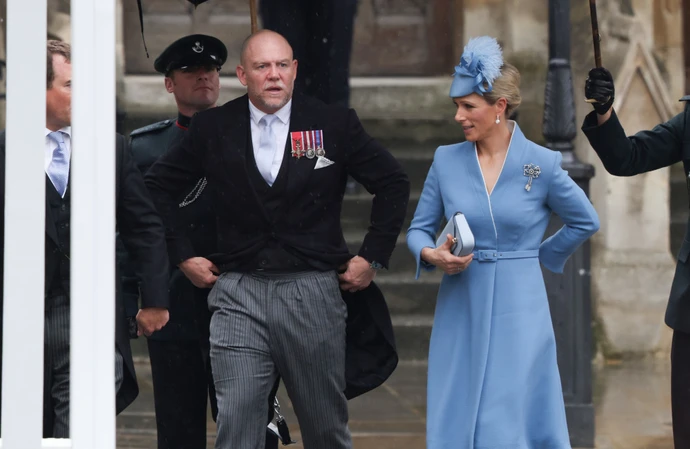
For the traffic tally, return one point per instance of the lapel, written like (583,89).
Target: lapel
(233,150)
(50,220)
(299,170)
(515,159)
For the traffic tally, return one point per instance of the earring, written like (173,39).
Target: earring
(498,120)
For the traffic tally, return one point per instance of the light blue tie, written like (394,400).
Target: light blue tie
(58,170)
(267,148)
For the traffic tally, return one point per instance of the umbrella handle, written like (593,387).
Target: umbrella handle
(252,14)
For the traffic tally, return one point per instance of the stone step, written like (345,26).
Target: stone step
(401,262)
(415,158)
(387,106)
(356,212)
(412,334)
(416,163)
(406,295)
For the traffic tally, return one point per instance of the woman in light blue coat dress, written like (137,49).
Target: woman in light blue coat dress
(493,381)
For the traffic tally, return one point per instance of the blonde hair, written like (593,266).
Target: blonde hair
(507,86)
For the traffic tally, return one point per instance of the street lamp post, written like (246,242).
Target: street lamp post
(569,293)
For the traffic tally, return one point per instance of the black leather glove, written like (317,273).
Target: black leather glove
(599,87)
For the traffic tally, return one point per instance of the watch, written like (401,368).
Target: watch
(375,265)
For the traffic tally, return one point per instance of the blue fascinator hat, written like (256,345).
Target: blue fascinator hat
(479,66)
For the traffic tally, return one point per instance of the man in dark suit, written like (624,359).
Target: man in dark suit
(665,145)
(141,231)
(179,353)
(277,166)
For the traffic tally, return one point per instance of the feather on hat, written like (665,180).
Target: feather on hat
(480,64)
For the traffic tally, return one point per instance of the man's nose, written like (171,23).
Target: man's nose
(273,71)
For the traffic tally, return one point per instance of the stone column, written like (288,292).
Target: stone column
(59,26)
(668,44)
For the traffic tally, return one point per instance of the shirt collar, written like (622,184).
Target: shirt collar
(66,130)
(283,113)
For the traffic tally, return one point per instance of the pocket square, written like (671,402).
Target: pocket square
(322,162)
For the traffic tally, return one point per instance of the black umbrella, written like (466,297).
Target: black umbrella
(252,13)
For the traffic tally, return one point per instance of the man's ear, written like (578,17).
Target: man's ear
(241,75)
(169,84)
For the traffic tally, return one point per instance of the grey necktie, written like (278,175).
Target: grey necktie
(267,148)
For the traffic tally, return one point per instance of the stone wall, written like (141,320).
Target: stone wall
(632,265)
(521,26)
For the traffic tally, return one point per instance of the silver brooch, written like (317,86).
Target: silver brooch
(531,171)
(198,48)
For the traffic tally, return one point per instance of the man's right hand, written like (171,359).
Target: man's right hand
(202,272)
(599,87)
(152,319)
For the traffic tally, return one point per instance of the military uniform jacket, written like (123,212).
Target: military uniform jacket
(189,315)
(666,144)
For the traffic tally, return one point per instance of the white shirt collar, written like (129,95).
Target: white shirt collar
(283,113)
(66,130)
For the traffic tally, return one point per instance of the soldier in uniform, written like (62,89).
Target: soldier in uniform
(179,354)
(664,145)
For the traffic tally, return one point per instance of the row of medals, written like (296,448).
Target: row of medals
(310,153)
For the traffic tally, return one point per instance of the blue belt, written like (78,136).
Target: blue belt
(491,255)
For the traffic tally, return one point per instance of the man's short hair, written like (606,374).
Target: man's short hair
(56,48)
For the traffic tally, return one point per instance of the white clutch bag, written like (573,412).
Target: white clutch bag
(462,234)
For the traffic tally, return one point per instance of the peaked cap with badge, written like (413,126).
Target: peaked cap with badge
(190,51)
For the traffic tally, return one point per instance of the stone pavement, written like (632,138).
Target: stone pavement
(632,410)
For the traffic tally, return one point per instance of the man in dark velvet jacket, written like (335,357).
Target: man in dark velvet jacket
(277,166)
(179,353)
(666,144)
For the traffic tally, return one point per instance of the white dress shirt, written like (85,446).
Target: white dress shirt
(51,145)
(281,129)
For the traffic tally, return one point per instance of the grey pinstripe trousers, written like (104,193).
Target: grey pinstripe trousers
(56,368)
(288,325)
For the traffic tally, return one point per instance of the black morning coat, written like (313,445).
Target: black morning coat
(309,222)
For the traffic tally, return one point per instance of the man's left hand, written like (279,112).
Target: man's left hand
(152,319)
(357,276)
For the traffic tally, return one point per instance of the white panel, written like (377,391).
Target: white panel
(48,443)
(22,373)
(93,225)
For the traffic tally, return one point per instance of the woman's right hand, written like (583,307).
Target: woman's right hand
(442,258)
